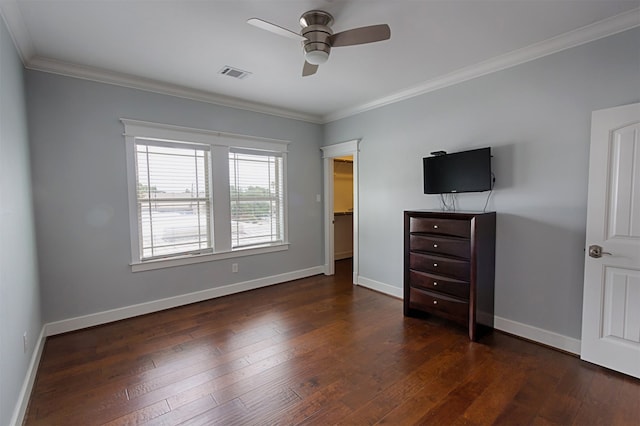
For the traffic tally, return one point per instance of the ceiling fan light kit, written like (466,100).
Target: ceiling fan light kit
(316,57)
(318,38)
(317,34)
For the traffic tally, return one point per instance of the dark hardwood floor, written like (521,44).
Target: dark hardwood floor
(315,351)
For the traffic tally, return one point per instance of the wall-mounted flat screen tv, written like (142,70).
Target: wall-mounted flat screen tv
(466,171)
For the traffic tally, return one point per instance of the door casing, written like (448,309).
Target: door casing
(328,154)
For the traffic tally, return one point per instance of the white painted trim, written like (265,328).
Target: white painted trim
(12,16)
(597,30)
(220,218)
(117,314)
(546,337)
(151,130)
(219,143)
(387,289)
(340,149)
(285,198)
(27,385)
(191,259)
(535,334)
(15,23)
(356,208)
(83,72)
(529,332)
(132,172)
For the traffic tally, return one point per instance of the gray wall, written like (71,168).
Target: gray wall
(78,162)
(19,294)
(536,117)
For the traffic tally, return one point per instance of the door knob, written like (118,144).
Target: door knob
(596,251)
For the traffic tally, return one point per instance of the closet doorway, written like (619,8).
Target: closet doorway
(341,205)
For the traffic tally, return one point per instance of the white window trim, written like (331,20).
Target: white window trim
(149,265)
(220,143)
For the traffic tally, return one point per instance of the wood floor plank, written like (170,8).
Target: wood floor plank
(626,408)
(181,414)
(516,414)
(230,413)
(141,415)
(436,387)
(496,394)
(315,351)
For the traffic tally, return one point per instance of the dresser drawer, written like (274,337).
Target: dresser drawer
(449,246)
(448,267)
(456,228)
(456,310)
(439,284)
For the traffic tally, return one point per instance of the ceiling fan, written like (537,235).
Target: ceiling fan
(317,37)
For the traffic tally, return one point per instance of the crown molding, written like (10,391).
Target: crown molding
(10,12)
(577,37)
(134,82)
(120,79)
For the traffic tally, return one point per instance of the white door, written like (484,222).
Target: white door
(611,304)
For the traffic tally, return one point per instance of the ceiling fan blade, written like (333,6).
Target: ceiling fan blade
(309,69)
(361,35)
(276,29)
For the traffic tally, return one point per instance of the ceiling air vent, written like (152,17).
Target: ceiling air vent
(234,72)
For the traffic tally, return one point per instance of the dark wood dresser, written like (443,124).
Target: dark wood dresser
(449,266)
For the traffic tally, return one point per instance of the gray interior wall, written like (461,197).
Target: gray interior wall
(19,292)
(80,193)
(536,117)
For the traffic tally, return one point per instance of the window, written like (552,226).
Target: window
(256,198)
(197,195)
(173,199)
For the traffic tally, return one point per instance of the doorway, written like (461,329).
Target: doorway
(343,207)
(330,153)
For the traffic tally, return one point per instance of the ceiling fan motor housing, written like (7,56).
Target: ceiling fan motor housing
(316,30)
(318,38)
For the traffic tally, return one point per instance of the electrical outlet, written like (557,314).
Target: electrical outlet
(24,342)
(234,267)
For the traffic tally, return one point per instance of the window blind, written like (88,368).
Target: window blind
(173,198)
(257,197)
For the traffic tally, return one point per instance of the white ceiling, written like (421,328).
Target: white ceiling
(179,46)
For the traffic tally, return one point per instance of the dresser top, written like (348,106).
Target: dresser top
(449,212)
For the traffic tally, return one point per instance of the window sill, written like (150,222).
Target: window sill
(188,260)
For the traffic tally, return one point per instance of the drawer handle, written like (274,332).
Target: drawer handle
(435,283)
(435,302)
(435,226)
(435,246)
(435,264)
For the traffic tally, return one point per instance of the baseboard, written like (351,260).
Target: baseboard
(343,255)
(387,289)
(104,317)
(546,337)
(29,379)
(539,335)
